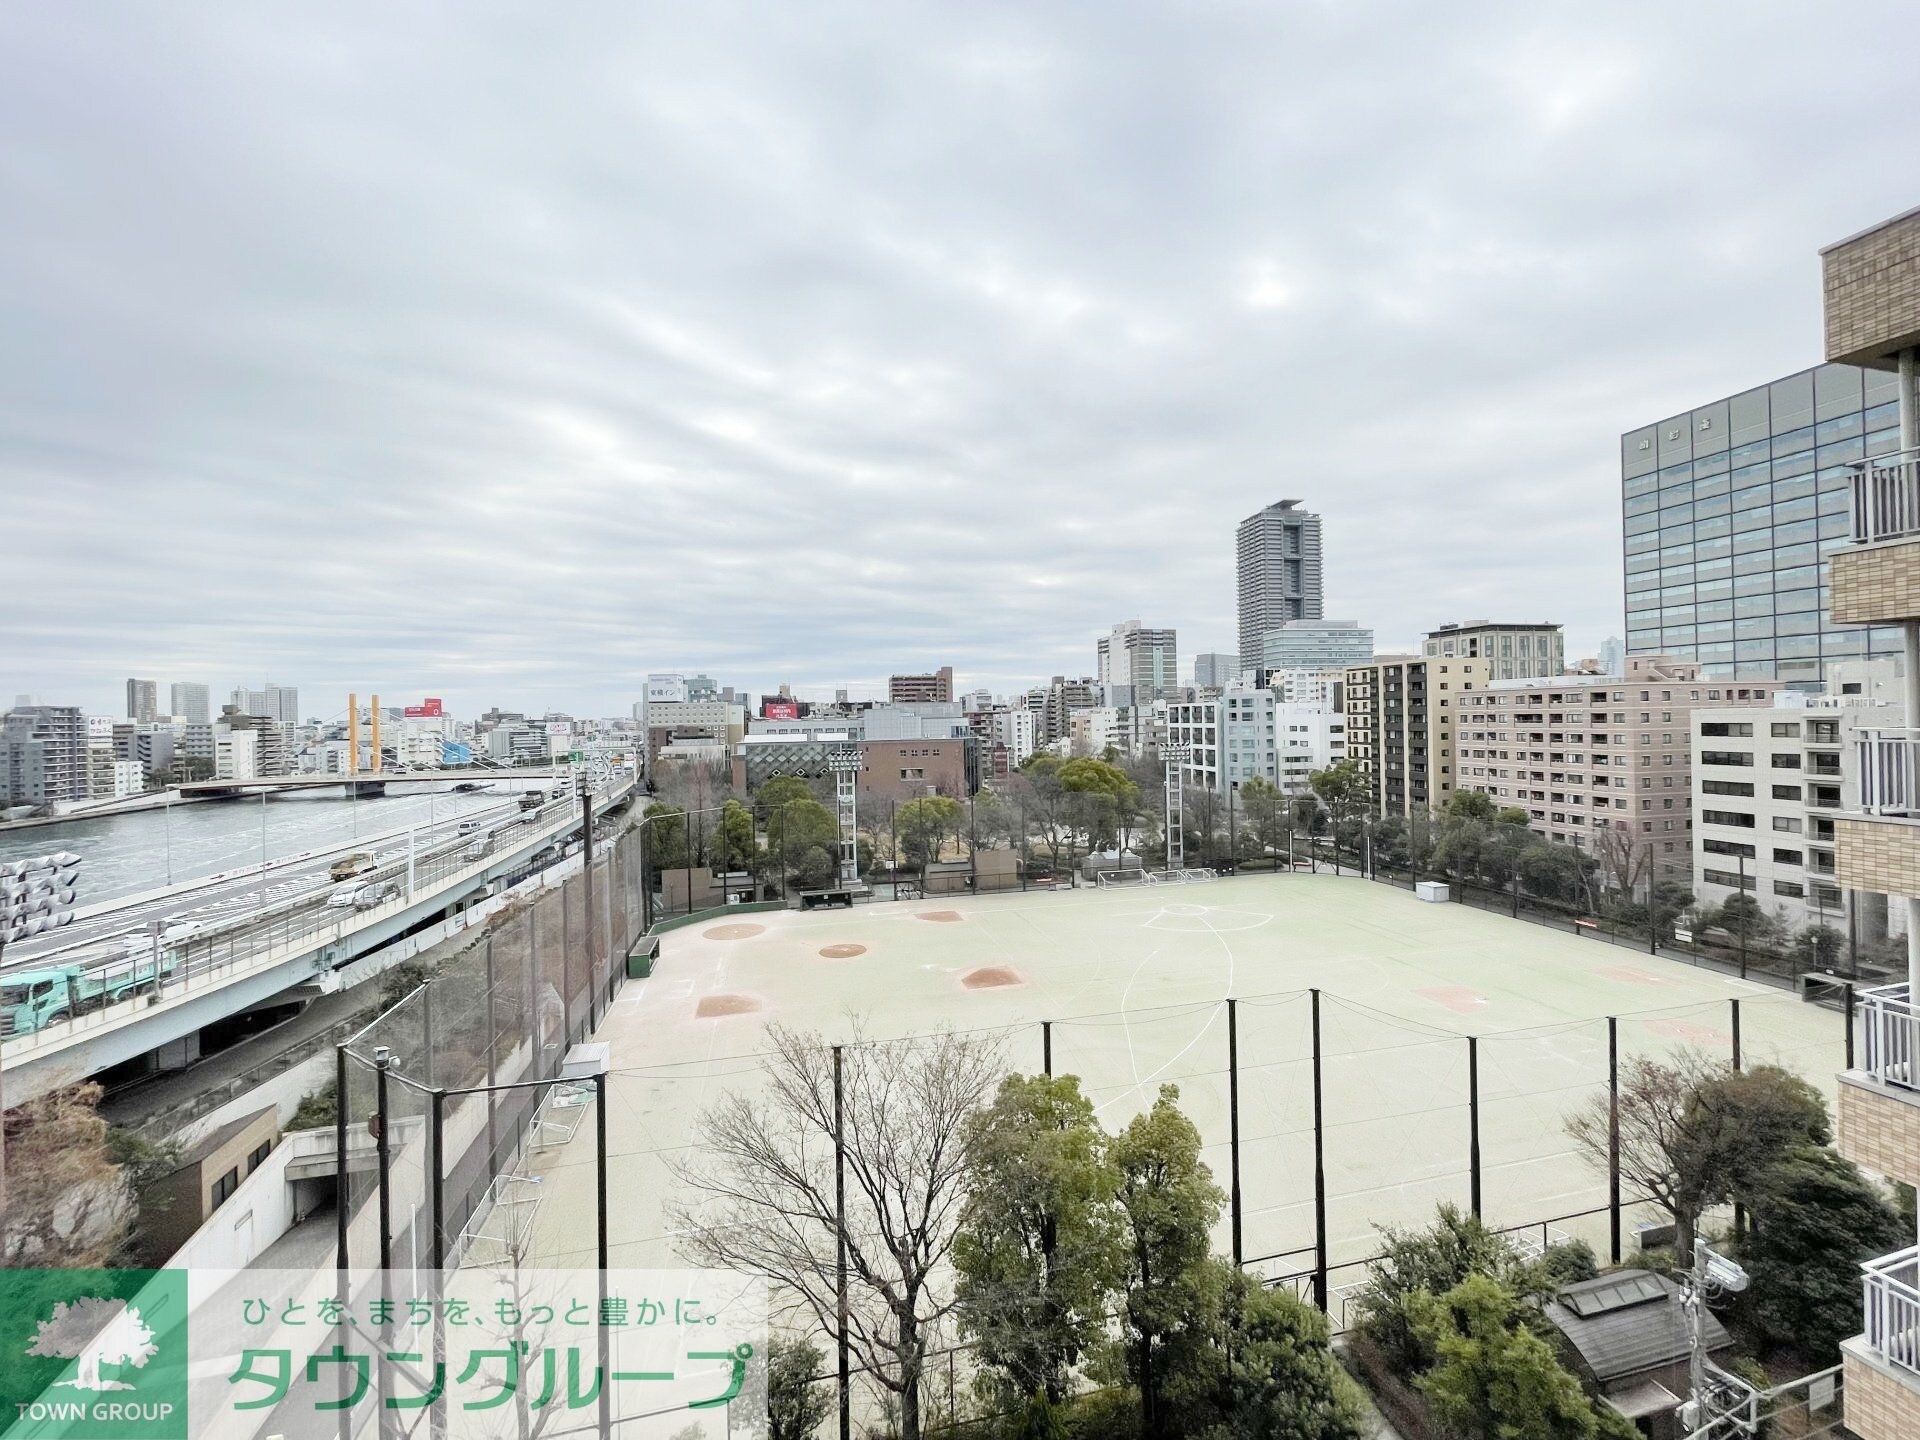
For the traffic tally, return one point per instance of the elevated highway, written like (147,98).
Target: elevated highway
(198,974)
(364,781)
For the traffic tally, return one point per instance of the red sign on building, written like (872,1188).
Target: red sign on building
(779,709)
(427,710)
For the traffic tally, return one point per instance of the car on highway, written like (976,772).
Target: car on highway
(363,895)
(467,827)
(348,866)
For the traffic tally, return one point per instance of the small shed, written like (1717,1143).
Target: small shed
(1627,1332)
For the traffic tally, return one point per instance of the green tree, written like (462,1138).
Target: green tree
(666,836)
(804,837)
(1169,1204)
(1043,800)
(1818,946)
(1342,787)
(1038,1420)
(780,790)
(923,824)
(1099,791)
(1816,1218)
(1283,1382)
(1038,1251)
(1748,923)
(732,845)
(1266,810)
(1432,1261)
(1492,1377)
(795,1407)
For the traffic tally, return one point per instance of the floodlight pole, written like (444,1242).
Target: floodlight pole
(845,764)
(1175,758)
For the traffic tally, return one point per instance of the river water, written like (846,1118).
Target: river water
(128,854)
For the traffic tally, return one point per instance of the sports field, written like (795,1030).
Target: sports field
(1134,982)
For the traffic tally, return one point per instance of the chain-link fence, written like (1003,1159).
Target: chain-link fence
(1321,1115)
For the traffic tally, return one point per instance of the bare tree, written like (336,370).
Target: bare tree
(1624,860)
(764,1175)
(1693,1130)
(69,1206)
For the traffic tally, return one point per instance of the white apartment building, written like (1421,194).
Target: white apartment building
(1244,734)
(1145,659)
(1767,785)
(1128,729)
(236,754)
(1314,688)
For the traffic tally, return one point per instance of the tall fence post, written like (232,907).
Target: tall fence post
(1319,1170)
(1233,1119)
(840,1229)
(600,1201)
(586,871)
(340,1207)
(382,1058)
(436,1135)
(493,1048)
(1473,1123)
(1613,1133)
(1739,1211)
(1046,1047)
(426,1029)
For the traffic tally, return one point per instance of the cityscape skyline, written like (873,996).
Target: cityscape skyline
(554,456)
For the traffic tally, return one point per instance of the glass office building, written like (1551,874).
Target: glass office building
(1730,511)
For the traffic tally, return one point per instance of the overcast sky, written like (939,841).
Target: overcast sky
(506,353)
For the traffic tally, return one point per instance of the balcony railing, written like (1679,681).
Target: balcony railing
(1889,1037)
(1886,497)
(1889,771)
(1893,1307)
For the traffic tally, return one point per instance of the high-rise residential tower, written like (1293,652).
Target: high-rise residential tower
(189,701)
(1278,554)
(276,702)
(1143,658)
(143,700)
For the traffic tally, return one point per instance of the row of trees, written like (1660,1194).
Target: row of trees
(999,1213)
(1455,1309)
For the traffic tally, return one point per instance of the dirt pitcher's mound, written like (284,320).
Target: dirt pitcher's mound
(841,952)
(716,1006)
(736,931)
(940,917)
(991,977)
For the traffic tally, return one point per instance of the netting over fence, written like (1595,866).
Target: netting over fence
(506,1002)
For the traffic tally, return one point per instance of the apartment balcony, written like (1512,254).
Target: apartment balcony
(1878,848)
(1882,1363)
(1879,1111)
(1876,579)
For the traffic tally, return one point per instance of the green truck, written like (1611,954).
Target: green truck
(32,1000)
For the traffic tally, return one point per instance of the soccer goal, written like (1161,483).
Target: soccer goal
(1192,875)
(1123,876)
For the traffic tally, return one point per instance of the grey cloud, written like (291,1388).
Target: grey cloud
(506,354)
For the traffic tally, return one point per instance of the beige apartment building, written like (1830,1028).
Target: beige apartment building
(1872,311)
(1512,652)
(1586,753)
(1402,713)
